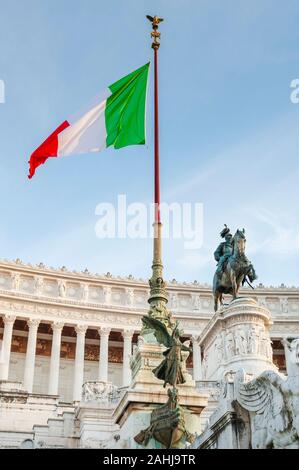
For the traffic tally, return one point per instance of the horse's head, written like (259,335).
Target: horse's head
(239,241)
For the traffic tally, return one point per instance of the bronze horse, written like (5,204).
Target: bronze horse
(235,273)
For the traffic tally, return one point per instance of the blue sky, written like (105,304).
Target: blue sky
(228,130)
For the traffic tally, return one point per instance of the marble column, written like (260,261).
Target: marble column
(6,346)
(30,355)
(79,362)
(127,352)
(197,369)
(55,358)
(103,362)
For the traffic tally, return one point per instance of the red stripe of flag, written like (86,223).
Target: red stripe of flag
(48,148)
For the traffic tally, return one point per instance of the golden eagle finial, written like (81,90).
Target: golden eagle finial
(155,20)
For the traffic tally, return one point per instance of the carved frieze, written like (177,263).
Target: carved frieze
(12,399)
(238,333)
(244,341)
(100,392)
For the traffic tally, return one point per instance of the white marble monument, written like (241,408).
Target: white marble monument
(237,337)
(272,401)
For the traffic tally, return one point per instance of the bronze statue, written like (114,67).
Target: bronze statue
(170,369)
(167,424)
(234,268)
(224,250)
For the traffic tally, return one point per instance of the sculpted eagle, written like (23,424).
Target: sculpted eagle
(154,19)
(272,401)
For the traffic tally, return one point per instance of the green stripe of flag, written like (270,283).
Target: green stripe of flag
(125,109)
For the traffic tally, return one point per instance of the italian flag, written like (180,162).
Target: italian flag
(117,120)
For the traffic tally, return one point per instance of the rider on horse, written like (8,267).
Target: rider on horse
(234,268)
(223,251)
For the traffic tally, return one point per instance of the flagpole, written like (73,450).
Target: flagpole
(156,137)
(158,297)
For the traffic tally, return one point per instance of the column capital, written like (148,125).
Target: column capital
(56,326)
(104,331)
(9,319)
(81,329)
(127,333)
(33,322)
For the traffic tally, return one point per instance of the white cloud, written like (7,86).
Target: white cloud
(282,233)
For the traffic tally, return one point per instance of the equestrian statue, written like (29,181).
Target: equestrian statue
(233,268)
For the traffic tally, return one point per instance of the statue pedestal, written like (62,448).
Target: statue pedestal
(146,357)
(134,410)
(237,337)
(95,415)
